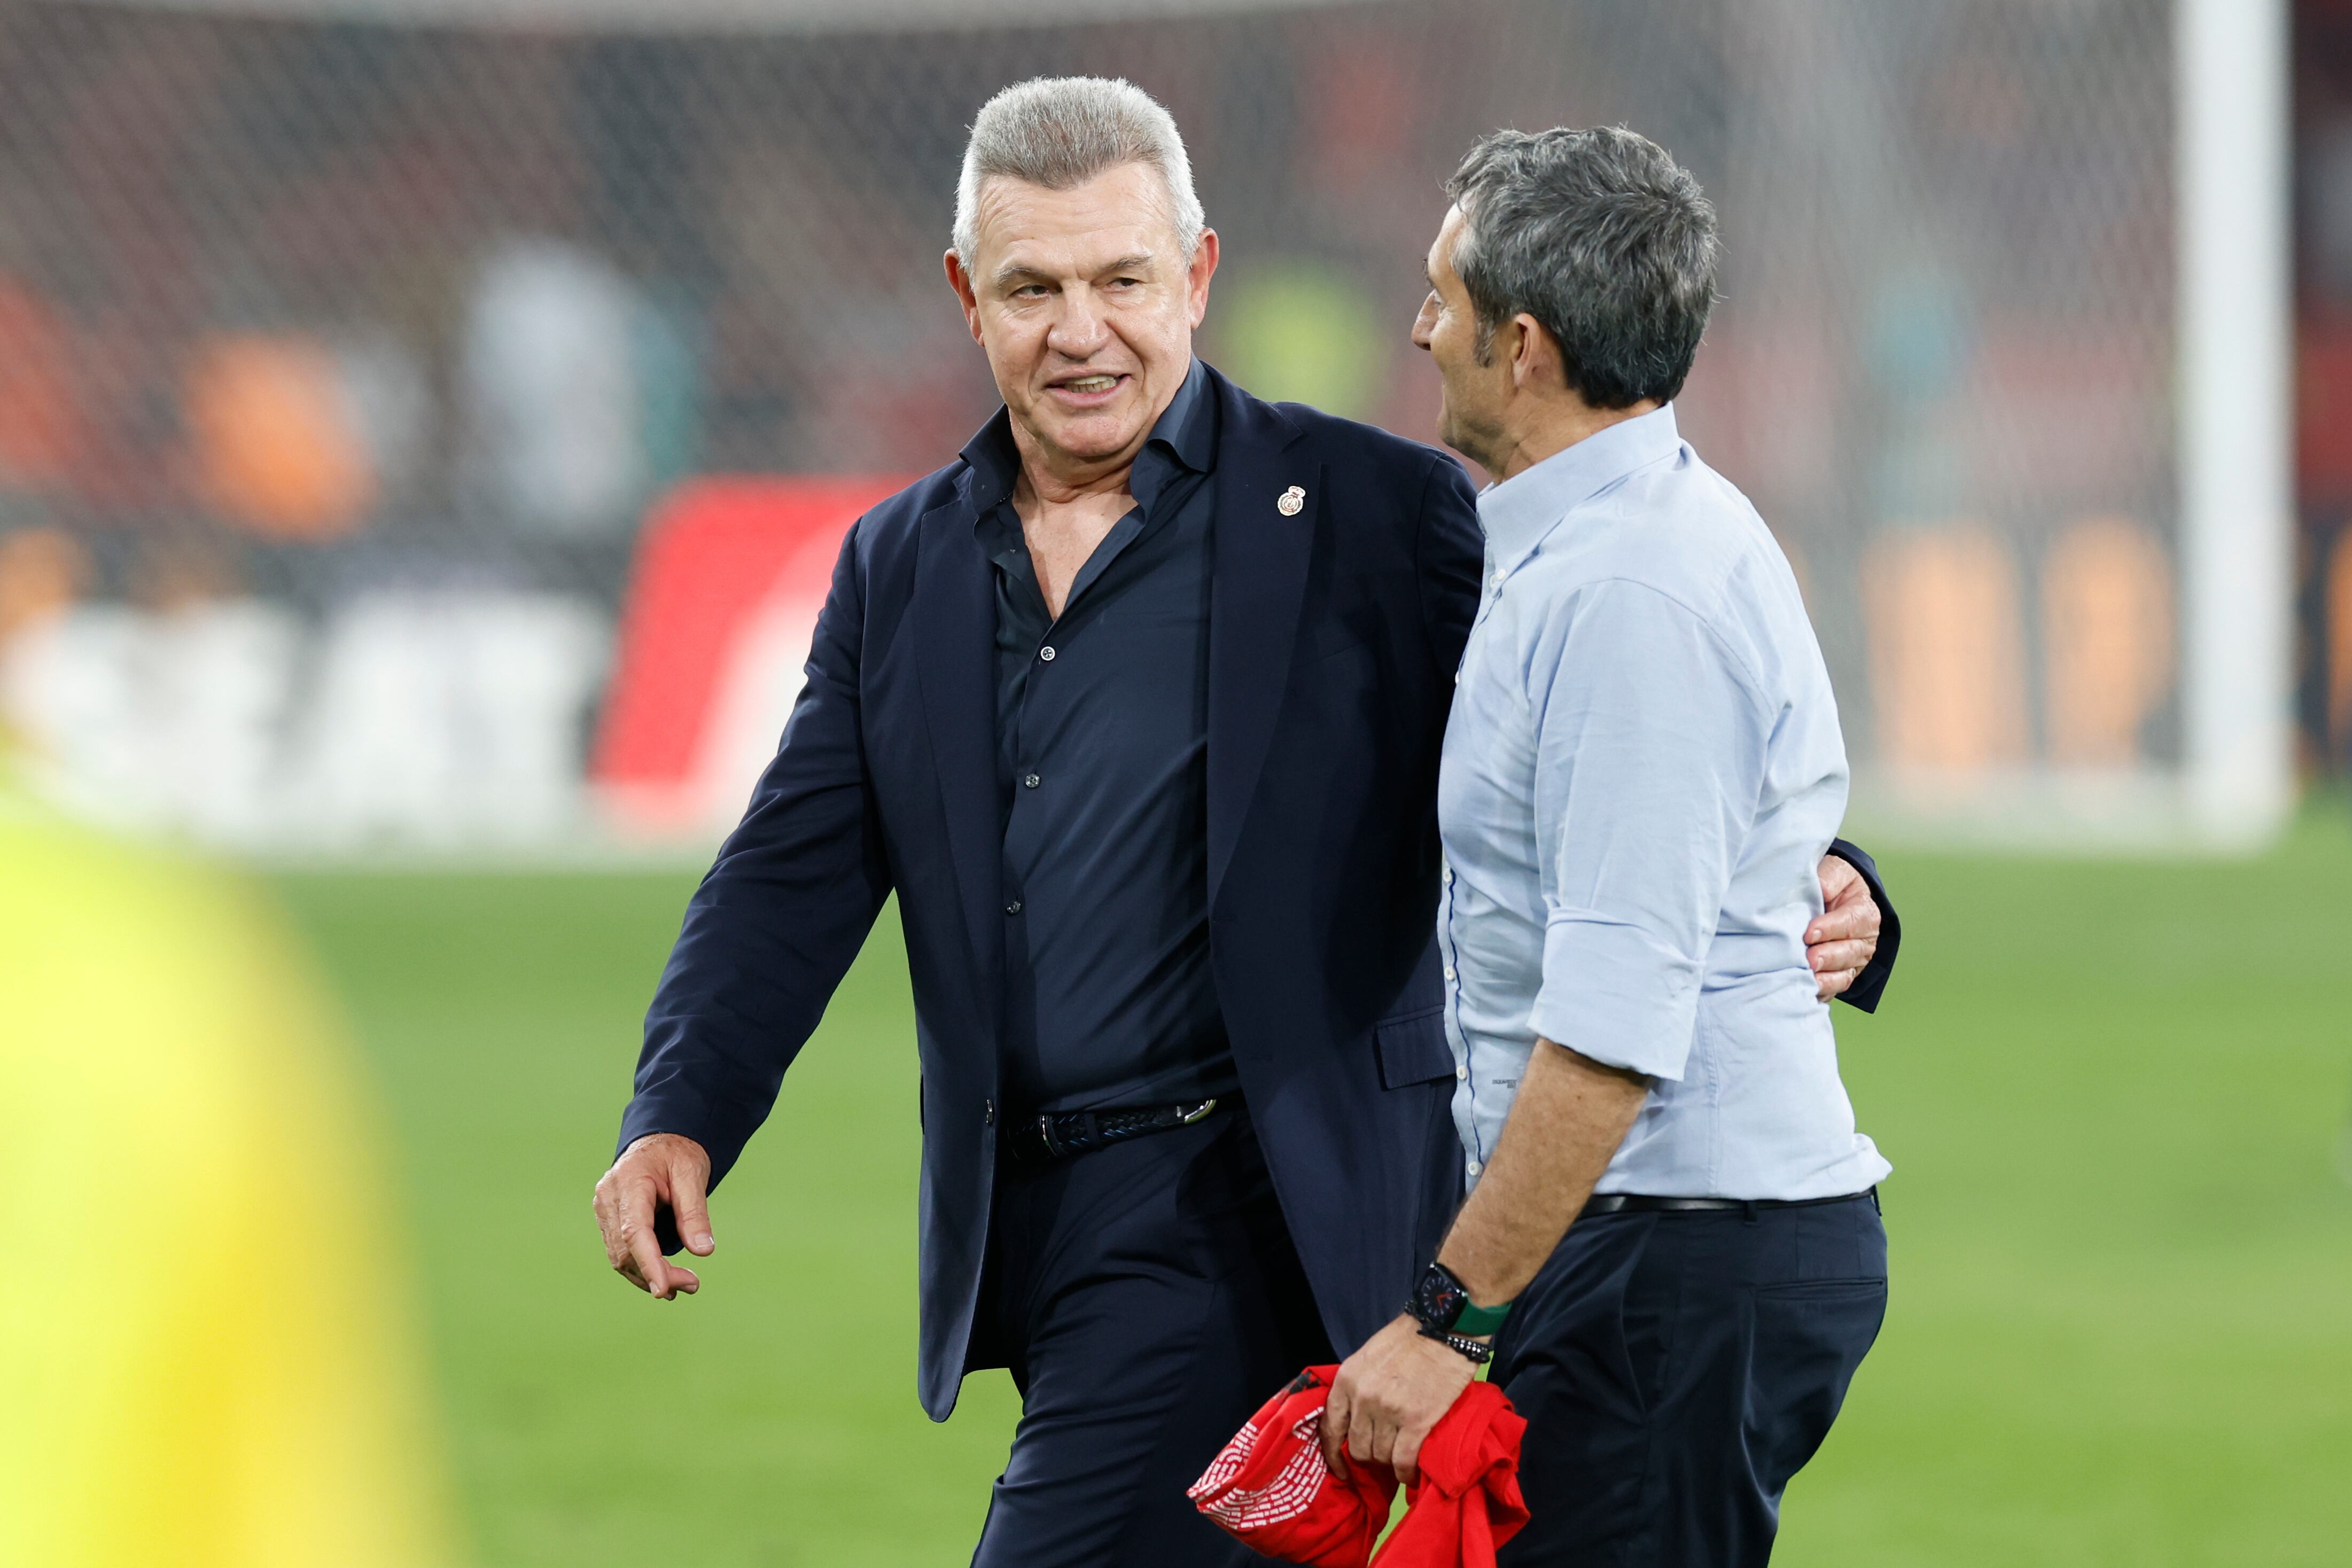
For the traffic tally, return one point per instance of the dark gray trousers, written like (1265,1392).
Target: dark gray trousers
(1148,1300)
(1676,1369)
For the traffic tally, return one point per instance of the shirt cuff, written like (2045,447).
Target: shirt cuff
(1616,994)
(1871,984)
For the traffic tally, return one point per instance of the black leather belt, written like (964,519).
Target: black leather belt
(1634,1203)
(1041,1140)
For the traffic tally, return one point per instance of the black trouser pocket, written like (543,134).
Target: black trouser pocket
(1810,1338)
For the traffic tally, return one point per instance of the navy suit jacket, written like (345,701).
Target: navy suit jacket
(1334,635)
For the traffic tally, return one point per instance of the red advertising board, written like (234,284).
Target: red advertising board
(723,600)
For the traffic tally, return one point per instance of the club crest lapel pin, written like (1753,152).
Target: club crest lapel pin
(1292,502)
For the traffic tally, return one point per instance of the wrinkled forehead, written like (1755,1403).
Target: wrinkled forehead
(1122,213)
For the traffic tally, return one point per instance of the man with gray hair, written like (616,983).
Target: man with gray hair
(1671,1249)
(1137,705)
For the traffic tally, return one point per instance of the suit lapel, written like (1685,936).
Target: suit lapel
(1259,584)
(955,619)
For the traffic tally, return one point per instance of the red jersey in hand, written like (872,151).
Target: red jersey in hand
(1269,1486)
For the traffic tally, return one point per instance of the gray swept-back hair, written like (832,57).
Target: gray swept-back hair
(1601,236)
(1061,131)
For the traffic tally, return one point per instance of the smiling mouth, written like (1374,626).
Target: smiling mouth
(1087,386)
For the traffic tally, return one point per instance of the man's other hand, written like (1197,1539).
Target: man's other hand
(1843,938)
(1388,1398)
(658,1168)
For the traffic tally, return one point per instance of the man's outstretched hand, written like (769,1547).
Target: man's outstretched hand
(1843,938)
(658,1168)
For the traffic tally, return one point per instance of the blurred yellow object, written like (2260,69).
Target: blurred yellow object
(1304,331)
(203,1347)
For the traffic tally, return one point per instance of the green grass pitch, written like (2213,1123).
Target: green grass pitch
(2121,1329)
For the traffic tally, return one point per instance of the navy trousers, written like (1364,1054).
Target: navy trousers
(1676,1369)
(1148,1300)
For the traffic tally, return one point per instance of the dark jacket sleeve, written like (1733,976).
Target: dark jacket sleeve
(778,919)
(1871,984)
(1452,555)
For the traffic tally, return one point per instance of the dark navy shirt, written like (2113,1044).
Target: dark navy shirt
(1102,720)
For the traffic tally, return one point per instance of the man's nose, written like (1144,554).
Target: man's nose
(1078,329)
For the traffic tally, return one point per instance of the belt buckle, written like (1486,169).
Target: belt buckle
(1186,1118)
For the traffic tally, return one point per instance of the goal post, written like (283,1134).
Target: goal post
(2235,382)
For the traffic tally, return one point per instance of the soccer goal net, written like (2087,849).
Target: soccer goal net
(428,423)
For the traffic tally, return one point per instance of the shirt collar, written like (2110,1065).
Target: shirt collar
(1188,425)
(1516,514)
(1185,431)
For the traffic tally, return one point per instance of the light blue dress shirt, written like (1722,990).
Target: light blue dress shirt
(1642,773)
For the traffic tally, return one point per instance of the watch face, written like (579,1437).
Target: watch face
(1439,1299)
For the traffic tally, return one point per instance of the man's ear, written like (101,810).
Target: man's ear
(1536,364)
(1203,269)
(966,295)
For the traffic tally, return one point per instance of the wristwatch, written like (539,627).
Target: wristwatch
(1442,1304)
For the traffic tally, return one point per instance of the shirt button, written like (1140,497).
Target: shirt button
(1461,1073)
(1449,973)
(1031,782)
(1045,653)
(1472,1167)
(1013,907)
(1497,578)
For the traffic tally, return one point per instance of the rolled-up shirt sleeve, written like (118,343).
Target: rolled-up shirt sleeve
(1651,747)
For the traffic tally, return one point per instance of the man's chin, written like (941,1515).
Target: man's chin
(1452,432)
(1095,437)
(1449,434)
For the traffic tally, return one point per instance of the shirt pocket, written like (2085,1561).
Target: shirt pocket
(1412,1048)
